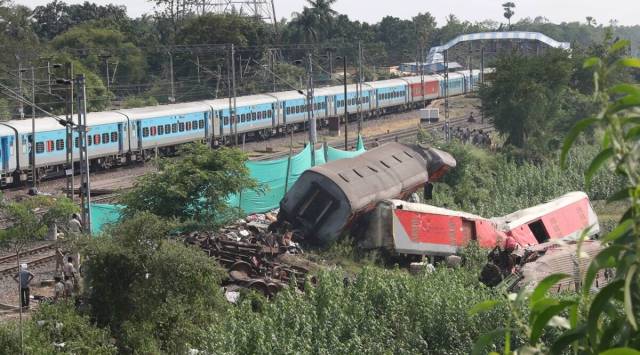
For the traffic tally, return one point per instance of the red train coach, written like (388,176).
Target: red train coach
(419,229)
(430,86)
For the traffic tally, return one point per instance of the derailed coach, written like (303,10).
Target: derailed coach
(326,200)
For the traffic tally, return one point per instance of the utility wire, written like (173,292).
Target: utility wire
(24,100)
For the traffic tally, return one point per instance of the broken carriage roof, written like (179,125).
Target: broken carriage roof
(530,214)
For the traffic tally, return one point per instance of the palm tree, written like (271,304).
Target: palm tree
(314,20)
(322,9)
(306,23)
(508,11)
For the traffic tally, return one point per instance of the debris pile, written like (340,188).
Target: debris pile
(255,257)
(514,268)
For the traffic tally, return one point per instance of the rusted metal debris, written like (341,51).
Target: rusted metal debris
(255,257)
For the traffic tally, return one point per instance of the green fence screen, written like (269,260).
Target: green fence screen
(275,176)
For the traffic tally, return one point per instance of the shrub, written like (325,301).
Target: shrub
(380,311)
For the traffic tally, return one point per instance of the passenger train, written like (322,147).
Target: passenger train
(120,136)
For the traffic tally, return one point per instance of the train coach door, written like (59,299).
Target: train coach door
(121,138)
(206,126)
(138,129)
(4,153)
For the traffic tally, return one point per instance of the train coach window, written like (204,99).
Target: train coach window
(174,127)
(96,139)
(59,144)
(76,142)
(145,131)
(254,116)
(105,138)
(201,124)
(167,128)
(226,120)
(114,136)
(188,126)
(89,140)
(243,117)
(49,146)
(181,126)
(260,115)
(39,147)
(194,124)
(269,113)
(160,130)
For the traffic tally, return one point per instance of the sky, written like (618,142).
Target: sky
(624,11)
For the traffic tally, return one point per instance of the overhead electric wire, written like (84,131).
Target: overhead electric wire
(22,99)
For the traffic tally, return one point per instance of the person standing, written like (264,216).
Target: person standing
(68,270)
(58,289)
(24,277)
(75,223)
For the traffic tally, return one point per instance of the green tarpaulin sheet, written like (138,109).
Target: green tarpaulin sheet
(276,177)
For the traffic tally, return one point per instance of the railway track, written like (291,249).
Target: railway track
(33,257)
(382,138)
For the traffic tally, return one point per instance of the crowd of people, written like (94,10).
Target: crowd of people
(479,137)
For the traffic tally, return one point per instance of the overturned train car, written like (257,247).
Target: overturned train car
(326,199)
(419,229)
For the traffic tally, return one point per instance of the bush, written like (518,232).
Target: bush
(492,185)
(155,294)
(60,323)
(379,311)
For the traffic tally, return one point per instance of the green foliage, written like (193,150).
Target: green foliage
(113,43)
(217,28)
(525,93)
(5,110)
(380,311)
(489,184)
(56,324)
(607,321)
(192,188)
(156,295)
(29,222)
(139,101)
(57,17)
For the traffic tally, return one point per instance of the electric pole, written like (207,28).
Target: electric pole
(446,96)
(20,104)
(234,120)
(69,116)
(172,99)
(310,110)
(33,130)
(346,112)
(85,183)
(359,89)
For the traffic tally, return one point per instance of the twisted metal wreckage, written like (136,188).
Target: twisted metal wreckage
(364,196)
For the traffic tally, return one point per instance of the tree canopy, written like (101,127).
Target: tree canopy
(194,187)
(524,95)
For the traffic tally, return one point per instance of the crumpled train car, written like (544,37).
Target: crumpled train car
(565,217)
(326,199)
(420,229)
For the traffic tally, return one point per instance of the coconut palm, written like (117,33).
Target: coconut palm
(508,11)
